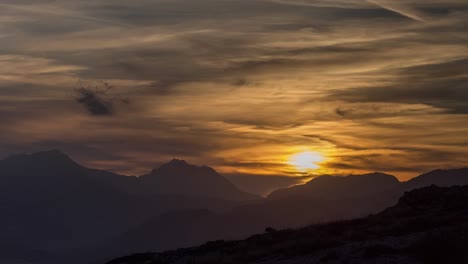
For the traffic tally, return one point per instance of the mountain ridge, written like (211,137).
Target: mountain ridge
(434,233)
(179,177)
(163,180)
(316,185)
(75,207)
(78,207)
(278,212)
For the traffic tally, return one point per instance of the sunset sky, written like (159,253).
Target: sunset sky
(239,85)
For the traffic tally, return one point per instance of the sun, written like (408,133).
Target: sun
(306,160)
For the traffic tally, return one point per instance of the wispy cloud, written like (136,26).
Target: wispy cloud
(235,84)
(400,7)
(57,10)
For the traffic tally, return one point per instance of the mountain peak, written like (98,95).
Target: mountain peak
(178,167)
(41,169)
(52,155)
(177,162)
(173,166)
(181,178)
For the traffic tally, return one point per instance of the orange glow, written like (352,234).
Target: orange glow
(306,161)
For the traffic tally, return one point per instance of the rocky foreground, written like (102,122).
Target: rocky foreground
(428,225)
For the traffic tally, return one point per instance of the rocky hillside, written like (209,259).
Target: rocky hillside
(428,225)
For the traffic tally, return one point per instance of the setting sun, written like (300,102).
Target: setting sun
(305,161)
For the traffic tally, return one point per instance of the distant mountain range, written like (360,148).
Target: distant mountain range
(427,226)
(53,171)
(323,199)
(55,210)
(51,206)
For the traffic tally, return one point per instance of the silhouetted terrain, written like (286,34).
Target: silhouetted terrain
(323,199)
(53,207)
(428,225)
(55,210)
(180,178)
(443,178)
(334,197)
(341,187)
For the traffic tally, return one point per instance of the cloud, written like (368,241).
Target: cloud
(324,3)
(54,10)
(373,110)
(402,8)
(236,84)
(441,85)
(94,102)
(96,98)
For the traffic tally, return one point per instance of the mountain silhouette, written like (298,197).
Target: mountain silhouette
(180,178)
(55,210)
(55,206)
(337,187)
(427,225)
(321,200)
(53,172)
(442,178)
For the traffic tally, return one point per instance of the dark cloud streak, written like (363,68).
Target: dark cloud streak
(442,85)
(96,99)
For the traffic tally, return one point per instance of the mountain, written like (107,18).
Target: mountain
(51,204)
(336,187)
(180,178)
(428,225)
(321,200)
(172,230)
(53,172)
(442,178)
(53,208)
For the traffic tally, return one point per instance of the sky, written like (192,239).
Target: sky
(239,85)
